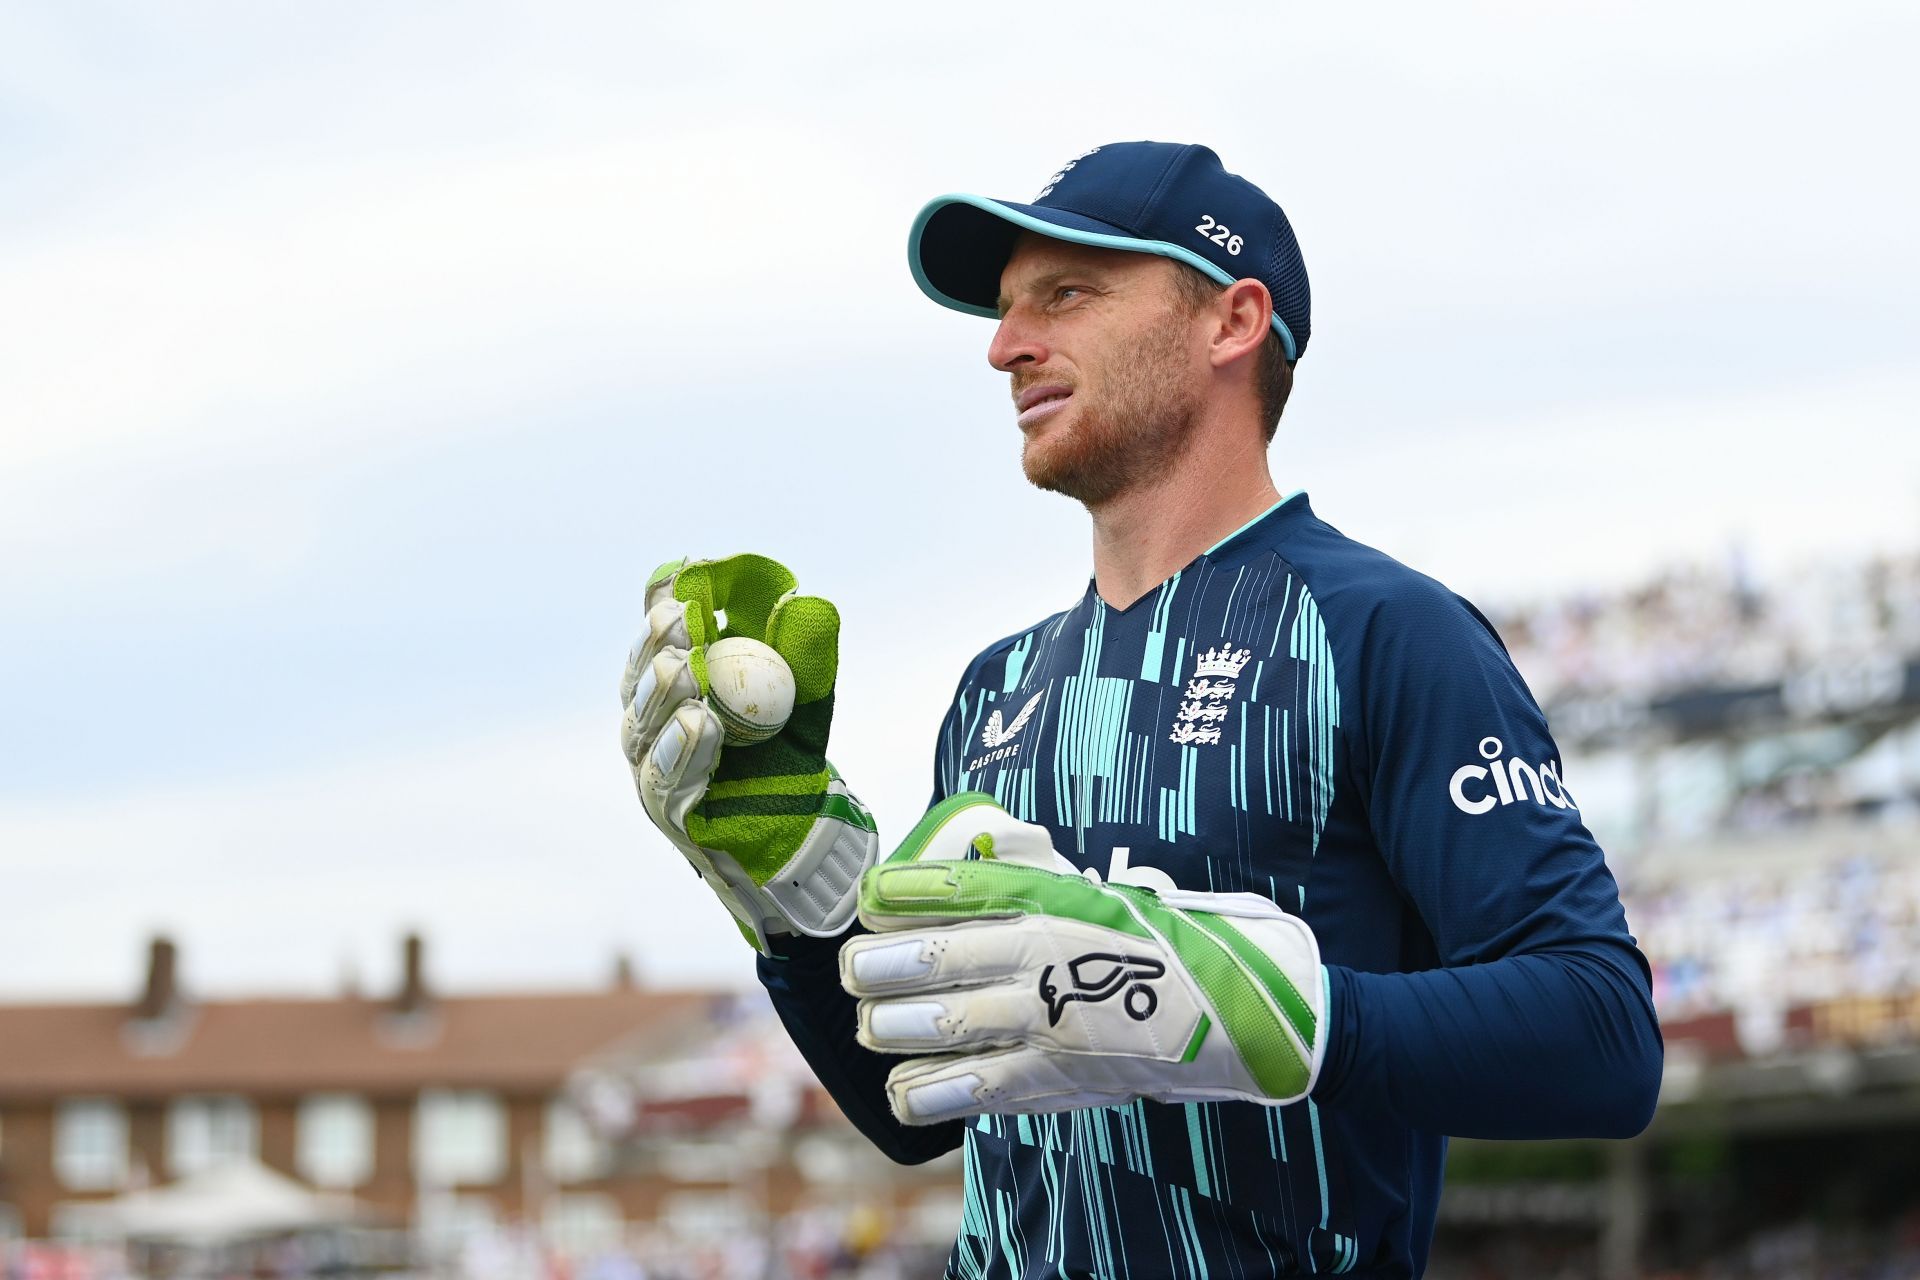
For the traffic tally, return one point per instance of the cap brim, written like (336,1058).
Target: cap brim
(960,244)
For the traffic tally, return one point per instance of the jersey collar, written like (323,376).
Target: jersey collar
(1296,500)
(1264,524)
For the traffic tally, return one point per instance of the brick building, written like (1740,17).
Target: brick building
(458,1100)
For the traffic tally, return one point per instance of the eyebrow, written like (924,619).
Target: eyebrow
(1003,304)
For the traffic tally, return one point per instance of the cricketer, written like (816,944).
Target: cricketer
(1247,879)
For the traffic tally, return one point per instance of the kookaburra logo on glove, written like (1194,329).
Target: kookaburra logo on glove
(1100,975)
(1143,992)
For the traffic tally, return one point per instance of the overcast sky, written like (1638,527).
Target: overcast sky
(357,362)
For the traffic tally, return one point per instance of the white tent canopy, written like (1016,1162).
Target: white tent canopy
(228,1202)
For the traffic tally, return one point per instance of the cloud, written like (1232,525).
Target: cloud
(519,849)
(523,856)
(1530,505)
(355,366)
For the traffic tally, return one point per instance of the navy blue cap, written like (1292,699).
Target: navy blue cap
(1162,198)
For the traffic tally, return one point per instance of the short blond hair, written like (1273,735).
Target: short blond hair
(1273,375)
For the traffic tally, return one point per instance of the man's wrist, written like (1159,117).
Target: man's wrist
(801,951)
(1339,1032)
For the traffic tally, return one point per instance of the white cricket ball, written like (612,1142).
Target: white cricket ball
(751,689)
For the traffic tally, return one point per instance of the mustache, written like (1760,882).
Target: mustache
(1019,385)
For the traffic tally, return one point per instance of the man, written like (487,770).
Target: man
(1249,878)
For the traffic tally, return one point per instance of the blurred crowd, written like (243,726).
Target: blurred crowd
(891,1260)
(1709,627)
(1807,1251)
(863,1245)
(1816,931)
(1802,1249)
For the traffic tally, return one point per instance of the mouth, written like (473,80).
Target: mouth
(1037,403)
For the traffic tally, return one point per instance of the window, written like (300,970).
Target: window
(578,1225)
(574,1153)
(706,1215)
(90,1144)
(333,1144)
(448,1223)
(79,1222)
(459,1138)
(203,1132)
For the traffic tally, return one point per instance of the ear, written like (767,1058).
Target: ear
(1244,314)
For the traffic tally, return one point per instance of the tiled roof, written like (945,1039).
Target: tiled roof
(520,1042)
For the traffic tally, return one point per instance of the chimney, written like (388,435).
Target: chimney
(413,998)
(162,994)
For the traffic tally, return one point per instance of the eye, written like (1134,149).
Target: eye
(1067,293)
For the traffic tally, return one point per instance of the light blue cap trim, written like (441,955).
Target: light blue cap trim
(1040,226)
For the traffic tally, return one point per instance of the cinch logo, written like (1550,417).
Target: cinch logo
(1477,788)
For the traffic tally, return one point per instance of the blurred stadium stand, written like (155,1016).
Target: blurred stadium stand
(1749,754)
(1747,751)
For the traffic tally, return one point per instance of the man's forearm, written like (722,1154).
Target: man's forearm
(803,978)
(1543,1045)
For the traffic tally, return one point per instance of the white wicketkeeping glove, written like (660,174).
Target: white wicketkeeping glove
(770,827)
(1033,987)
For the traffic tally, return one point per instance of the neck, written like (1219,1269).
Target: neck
(1143,536)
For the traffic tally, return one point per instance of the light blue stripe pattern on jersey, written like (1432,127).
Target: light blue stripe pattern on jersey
(1156,643)
(1016,663)
(1309,645)
(1197,1142)
(1134,748)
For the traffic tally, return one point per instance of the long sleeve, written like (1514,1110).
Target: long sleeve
(1539,1022)
(1557,1045)
(804,982)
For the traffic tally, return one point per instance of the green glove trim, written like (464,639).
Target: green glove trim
(1285,995)
(1243,985)
(1199,1036)
(1245,1013)
(797,751)
(770,825)
(981,890)
(785,784)
(810,806)
(665,571)
(916,842)
(746,587)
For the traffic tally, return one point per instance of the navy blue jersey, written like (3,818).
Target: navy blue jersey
(1295,715)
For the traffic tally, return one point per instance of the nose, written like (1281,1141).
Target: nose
(1015,343)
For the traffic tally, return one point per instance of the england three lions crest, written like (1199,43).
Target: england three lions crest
(1204,702)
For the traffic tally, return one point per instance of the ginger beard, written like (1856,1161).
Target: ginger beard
(1124,424)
